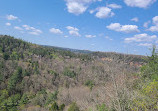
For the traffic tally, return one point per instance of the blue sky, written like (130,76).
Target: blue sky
(126,26)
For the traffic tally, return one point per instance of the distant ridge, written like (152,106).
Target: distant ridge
(69,49)
(88,51)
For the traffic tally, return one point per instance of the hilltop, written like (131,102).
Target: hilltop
(37,77)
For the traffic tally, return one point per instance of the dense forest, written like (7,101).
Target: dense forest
(43,78)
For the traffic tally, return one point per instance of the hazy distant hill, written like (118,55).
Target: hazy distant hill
(72,50)
(113,55)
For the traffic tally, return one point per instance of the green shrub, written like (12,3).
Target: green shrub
(14,79)
(11,103)
(53,73)
(6,56)
(150,70)
(73,107)
(69,73)
(1,77)
(102,108)
(51,97)
(26,73)
(90,84)
(146,98)
(4,94)
(61,107)
(56,107)
(24,99)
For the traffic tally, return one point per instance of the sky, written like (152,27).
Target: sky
(124,26)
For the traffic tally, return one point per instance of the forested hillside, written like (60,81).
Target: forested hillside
(42,78)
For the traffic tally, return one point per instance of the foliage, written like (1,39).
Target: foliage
(51,97)
(73,107)
(25,73)
(24,99)
(29,71)
(53,73)
(150,70)
(56,107)
(146,97)
(3,95)
(6,56)
(1,77)
(10,103)
(69,73)
(61,107)
(90,84)
(14,79)
(102,108)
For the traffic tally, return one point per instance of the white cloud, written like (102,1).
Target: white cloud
(32,30)
(153,28)
(146,24)
(55,31)
(92,11)
(107,37)
(78,6)
(114,26)
(135,19)
(139,3)
(66,36)
(11,17)
(155,20)
(18,28)
(90,36)
(145,44)
(123,28)
(114,6)
(104,12)
(33,33)
(8,24)
(141,38)
(73,31)
(28,27)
